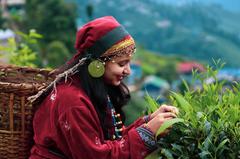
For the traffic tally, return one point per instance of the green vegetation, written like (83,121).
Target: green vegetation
(21,53)
(54,19)
(194,30)
(135,108)
(157,64)
(2,21)
(57,54)
(211,127)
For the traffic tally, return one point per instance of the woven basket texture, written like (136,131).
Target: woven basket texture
(16,113)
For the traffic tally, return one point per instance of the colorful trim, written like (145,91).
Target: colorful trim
(148,137)
(126,44)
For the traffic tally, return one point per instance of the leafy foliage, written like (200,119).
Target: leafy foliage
(57,54)
(54,19)
(160,65)
(2,20)
(193,30)
(21,53)
(135,107)
(211,127)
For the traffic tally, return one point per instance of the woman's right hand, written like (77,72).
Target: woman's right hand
(164,108)
(155,123)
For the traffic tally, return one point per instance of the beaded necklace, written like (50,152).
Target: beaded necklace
(116,133)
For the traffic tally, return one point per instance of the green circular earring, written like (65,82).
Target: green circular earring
(96,68)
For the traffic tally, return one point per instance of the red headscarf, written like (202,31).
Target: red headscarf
(88,34)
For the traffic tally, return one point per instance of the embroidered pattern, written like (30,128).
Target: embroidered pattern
(130,50)
(148,137)
(120,47)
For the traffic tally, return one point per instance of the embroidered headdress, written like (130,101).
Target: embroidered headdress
(103,37)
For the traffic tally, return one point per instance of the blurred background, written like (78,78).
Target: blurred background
(173,38)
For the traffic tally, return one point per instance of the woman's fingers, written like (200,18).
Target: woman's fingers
(157,121)
(164,109)
(168,108)
(167,115)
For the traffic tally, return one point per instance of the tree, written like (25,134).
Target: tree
(54,19)
(57,54)
(89,11)
(2,20)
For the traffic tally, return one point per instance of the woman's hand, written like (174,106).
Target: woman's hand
(155,123)
(164,109)
(161,115)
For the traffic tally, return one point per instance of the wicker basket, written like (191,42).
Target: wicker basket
(16,113)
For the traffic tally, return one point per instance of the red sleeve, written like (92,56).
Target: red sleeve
(134,125)
(84,140)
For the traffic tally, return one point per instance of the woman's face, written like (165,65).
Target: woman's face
(116,69)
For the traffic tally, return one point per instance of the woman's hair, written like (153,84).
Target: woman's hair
(97,91)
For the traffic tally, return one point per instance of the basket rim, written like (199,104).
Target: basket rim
(20,85)
(27,68)
(14,132)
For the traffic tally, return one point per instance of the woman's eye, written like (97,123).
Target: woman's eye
(121,64)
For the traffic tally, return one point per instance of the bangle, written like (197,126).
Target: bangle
(147,118)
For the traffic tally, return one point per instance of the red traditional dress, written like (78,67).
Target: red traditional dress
(66,125)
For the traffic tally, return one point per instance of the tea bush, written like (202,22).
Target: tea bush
(211,122)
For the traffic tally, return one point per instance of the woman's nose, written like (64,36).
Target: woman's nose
(127,70)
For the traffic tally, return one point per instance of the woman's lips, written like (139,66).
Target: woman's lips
(120,78)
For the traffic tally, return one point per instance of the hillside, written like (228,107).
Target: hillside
(193,30)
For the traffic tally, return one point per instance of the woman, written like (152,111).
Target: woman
(80,114)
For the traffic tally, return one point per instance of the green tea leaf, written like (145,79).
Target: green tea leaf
(178,148)
(186,85)
(187,108)
(221,145)
(204,154)
(152,104)
(167,124)
(167,153)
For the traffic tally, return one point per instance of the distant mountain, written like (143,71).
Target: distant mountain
(196,29)
(230,5)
